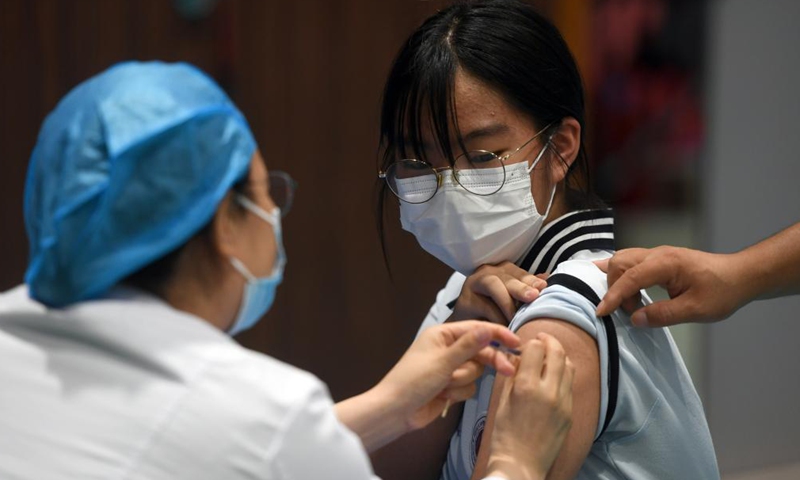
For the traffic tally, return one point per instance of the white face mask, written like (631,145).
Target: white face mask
(465,230)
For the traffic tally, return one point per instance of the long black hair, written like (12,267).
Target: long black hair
(506,44)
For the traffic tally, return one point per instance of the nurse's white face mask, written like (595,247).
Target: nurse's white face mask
(465,230)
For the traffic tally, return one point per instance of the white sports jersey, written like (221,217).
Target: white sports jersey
(651,422)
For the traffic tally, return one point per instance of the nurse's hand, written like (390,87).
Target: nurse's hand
(494,293)
(439,368)
(702,286)
(442,365)
(533,414)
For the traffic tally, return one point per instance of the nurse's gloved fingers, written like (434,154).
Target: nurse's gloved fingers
(491,357)
(558,369)
(479,332)
(529,371)
(506,384)
(459,394)
(565,387)
(470,339)
(555,360)
(466,373)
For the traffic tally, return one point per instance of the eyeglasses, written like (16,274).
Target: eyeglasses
(281,190)
(416,181)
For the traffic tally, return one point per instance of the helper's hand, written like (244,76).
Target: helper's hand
(703,287)
(494,293)
(534,412)
(442,366)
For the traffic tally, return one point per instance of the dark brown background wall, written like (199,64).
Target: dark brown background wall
(308,75)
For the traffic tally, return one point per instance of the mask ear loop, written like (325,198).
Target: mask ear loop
(239,266)
(274,219)
(533,165)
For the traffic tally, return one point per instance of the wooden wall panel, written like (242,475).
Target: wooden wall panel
(23,92)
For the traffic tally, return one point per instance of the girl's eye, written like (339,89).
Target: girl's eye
(478,159)
(481,157)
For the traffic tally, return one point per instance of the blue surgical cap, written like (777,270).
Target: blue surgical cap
(128,167)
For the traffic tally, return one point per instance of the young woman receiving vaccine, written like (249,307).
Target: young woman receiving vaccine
(482,129)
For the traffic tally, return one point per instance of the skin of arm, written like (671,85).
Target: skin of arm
(775,263)
(582,351)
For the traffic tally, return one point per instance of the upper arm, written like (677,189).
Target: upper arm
(582,350)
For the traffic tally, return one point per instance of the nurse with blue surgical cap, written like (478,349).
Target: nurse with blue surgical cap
(154,231)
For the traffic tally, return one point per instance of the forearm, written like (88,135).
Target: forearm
(374,417)
(771,268)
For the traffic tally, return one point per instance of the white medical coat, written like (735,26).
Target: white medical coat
(129,388)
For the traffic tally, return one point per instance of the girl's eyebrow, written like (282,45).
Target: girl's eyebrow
(482,132)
